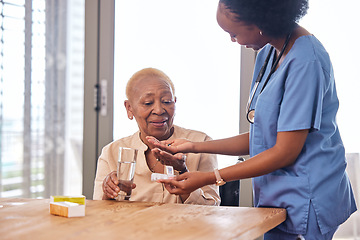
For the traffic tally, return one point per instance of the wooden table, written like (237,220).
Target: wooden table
(105,220)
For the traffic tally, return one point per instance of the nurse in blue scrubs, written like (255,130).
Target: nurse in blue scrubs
(297,158)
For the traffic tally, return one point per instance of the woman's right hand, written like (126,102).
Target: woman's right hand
(110,186)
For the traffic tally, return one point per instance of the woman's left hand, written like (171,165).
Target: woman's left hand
(178,160)
(187,182)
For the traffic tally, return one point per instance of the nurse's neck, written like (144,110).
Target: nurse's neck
(278,43)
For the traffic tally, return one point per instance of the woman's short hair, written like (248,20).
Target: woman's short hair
(276,18)
(148,72)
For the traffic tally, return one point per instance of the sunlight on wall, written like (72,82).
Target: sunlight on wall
(332,22)
(188,45)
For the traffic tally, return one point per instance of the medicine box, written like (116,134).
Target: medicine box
(67,206)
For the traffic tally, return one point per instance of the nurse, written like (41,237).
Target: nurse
(297,158)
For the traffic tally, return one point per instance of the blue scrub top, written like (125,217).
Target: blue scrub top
(301,94)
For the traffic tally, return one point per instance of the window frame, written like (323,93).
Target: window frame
(98,69)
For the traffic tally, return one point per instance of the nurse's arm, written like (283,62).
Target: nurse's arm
(284,153)
(234,146)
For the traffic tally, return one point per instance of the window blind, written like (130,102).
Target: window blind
(38,140)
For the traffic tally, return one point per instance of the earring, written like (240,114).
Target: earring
(261,33)
(131,118)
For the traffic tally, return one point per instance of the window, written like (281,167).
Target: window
(41,89)
(189,46)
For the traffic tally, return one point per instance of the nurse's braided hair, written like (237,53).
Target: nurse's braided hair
(275,18)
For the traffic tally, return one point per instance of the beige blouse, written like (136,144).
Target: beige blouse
(149,191)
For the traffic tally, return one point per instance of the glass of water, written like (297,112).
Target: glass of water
(126,171)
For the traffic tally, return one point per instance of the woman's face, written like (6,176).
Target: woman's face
(240,32)
(152,103)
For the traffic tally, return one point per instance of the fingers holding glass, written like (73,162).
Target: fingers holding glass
(110,185)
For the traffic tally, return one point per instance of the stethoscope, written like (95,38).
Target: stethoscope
(250,113)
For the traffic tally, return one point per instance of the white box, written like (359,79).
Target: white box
(67,209)
(68,206)
(158,176)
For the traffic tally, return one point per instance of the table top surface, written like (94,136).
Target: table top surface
(22,218)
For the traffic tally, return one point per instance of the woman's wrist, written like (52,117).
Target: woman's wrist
(210,178)
(184,170)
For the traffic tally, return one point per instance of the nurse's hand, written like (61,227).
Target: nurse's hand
(188,182)
(172,146)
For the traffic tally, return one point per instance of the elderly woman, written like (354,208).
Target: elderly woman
(151,101)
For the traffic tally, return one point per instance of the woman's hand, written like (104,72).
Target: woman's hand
(178,160)
(188,182)
(110,186)
(168,152)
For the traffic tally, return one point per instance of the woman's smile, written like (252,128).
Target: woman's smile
(159,123)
